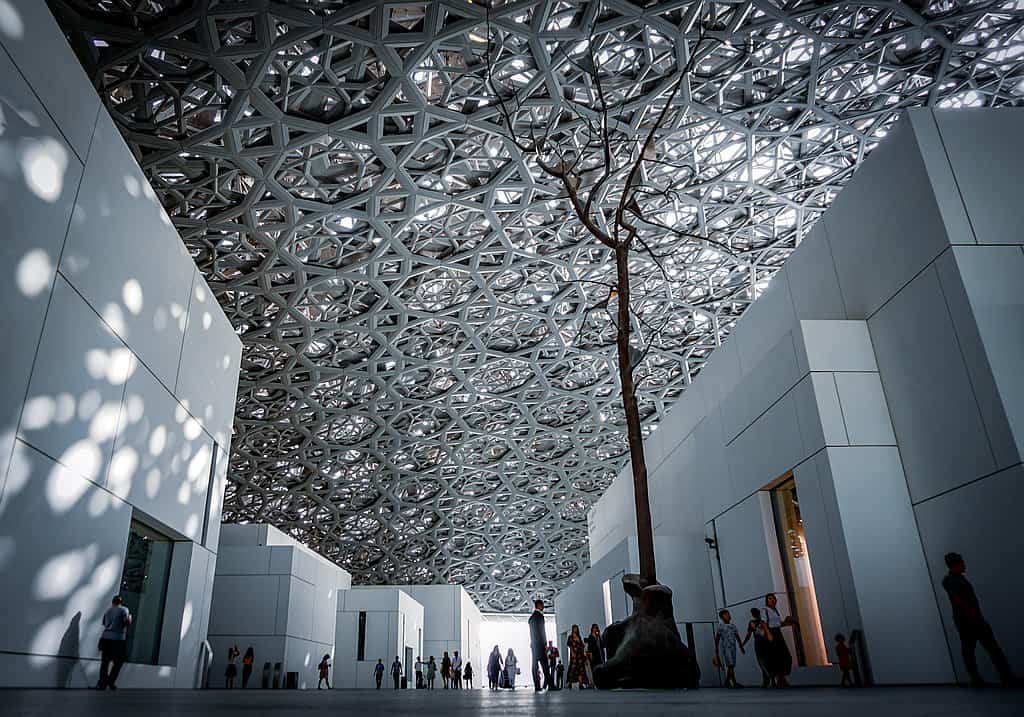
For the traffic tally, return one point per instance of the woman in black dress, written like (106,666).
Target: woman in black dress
(595,651)
(782,661)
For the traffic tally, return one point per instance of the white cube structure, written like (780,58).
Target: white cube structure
(451,621)
(277,596)
(376,623)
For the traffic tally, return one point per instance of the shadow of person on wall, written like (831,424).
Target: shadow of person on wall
(67,653)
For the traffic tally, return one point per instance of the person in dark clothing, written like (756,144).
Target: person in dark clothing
(396,672)
(559,675)
(971,624)
(378,672)
(113,643)
(538,647)
(247,663)
(595,651)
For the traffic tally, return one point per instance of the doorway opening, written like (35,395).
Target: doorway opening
(796,566)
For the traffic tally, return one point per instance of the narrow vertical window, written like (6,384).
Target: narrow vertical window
(361,644)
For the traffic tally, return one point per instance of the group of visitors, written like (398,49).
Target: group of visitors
(585,654)
(770,648)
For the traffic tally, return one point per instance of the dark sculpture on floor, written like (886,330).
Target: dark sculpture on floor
(645,650)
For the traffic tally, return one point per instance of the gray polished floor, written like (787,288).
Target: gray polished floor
(805,702)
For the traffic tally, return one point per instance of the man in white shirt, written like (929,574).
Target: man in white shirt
(456,671)
(113,643)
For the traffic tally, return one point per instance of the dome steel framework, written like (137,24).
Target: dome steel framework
(427,394)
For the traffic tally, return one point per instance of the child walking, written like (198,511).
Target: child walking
(845,662)
(324,667)
(727,639)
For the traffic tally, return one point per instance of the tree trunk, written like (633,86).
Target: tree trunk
(644,529)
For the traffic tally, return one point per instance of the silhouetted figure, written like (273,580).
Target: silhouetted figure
(419,673)
(727,639)
(511,668)
(467,676)
(324,669)
(446,670)
(396,672)
(378,672)
(431,672)
(247,662)
(231,671)
(577,658)
(595,651)
(559,675)
(113,643)
(494,669)
(781,663)
(971,624)
(552,653)
(758,629)
(845,661)
(456,671)
(538,647)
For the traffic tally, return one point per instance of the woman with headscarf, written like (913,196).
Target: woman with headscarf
(511,667)
(595,651)
(493,668)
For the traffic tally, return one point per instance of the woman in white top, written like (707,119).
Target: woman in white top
(510,668)
(781,662)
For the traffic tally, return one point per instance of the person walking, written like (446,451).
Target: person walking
(232,669)
(594,645)
(494,668)
(782,660)
(419,673)
(456,671)
(113,643)
(247,664)
(971,625)
(511,669)
(396,672)
(577,658)
(727,639)
(378,672)
(559,675)
(446,669)
(324,669)
(467,676)
(538,647)
(431,672)
(758,629)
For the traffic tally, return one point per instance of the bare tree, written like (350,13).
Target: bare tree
(603,151)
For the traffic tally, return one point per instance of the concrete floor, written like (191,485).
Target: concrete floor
(800,702)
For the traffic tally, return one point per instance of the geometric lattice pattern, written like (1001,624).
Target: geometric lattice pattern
(426,393)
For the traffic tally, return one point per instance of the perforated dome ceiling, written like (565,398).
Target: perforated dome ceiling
(418,401)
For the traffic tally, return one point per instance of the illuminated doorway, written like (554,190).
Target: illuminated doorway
(796,565)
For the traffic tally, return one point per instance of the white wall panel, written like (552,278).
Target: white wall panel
(77,384)
(161,461)
(865,413)
(57,581)
(244,604)
(36,43)
(124,256)
(764,324)
(986,155)
(39,176)
(300,608)
(994,280)
(743,549)
(985,544)
(210,342)
(878,251)
(813,283)
(888,566)
(972,348)
(938,425)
